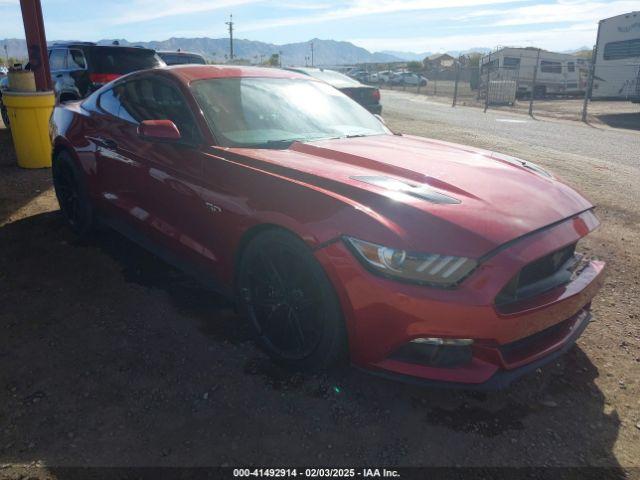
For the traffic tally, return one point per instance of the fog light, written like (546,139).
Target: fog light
(436,352)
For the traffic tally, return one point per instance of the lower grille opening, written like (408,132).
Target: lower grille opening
(542,275)
(441,356)
(527,346)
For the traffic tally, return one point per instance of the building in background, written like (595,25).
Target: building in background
(438,61)
(617,62)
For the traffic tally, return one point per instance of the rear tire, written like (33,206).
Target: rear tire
(290,303)
(72,195)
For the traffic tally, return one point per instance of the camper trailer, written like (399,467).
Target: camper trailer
(558,73)
(617,63)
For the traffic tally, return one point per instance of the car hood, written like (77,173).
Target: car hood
(457,200)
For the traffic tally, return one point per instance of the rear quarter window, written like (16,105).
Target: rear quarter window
(123,60)
(110,102)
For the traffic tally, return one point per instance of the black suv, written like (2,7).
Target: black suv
(79,68)
(182,58)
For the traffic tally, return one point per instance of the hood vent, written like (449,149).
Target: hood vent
(424,192)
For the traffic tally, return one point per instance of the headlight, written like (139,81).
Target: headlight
(431,269)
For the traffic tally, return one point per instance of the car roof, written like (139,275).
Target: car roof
(95,45)
(181,52)
(332,77)
(191,73)
(72,44)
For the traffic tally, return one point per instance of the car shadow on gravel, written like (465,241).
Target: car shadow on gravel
(629,121)
(111,357)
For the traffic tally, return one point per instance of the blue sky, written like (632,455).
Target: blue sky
(408,25)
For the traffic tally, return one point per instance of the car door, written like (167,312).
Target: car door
(168,181)
(116,171)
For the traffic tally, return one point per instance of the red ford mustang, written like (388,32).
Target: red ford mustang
(414,258)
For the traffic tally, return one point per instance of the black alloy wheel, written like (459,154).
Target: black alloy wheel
(71,194)
(290,303)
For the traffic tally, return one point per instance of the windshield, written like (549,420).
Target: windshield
(274,112)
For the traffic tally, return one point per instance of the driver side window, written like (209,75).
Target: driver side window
(155,99)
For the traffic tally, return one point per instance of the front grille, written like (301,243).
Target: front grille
(540,276)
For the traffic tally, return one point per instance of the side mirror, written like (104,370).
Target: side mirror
(159,131)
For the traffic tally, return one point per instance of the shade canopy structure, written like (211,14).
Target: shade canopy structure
(36,43)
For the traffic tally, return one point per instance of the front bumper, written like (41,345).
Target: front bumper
(382,315)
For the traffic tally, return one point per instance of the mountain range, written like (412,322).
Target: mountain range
(326,52)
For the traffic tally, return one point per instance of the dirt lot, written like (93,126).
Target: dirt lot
(110,357)
(616,114)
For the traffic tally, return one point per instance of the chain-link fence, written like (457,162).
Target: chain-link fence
(571,91)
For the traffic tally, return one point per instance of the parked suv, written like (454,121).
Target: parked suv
(80,68)
(182,58)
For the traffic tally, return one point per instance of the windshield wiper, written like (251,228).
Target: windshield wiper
(286,143)
(355,135)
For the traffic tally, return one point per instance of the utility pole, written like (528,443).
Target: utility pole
(312,54)
(230,24)
(6,53)
(280,57)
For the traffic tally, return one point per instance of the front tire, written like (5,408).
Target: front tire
(72,195)
(290,303)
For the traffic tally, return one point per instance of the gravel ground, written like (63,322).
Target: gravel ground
(110,357)
(616,114)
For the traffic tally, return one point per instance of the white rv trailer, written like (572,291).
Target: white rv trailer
(558,73)
(617,63)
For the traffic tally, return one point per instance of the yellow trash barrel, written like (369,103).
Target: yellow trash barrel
(29,114)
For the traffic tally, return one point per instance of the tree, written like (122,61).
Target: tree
(274,60)
(473,59)
(414,66)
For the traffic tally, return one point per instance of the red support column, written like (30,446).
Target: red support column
(36,43)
